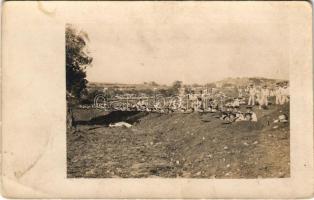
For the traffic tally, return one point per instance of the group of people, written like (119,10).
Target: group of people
(237,115)
(282,93)
(260,95)
(229,108)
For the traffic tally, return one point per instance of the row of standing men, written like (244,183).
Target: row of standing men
(261,95)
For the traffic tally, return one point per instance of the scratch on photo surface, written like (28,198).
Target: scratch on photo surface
(20,174)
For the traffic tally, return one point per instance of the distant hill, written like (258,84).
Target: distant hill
(140,86)
(241,82)
(227,82)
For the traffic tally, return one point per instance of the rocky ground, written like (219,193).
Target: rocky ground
(180,145)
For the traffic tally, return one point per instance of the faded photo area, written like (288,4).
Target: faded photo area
(178,96)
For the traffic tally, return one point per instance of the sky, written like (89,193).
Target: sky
(136,44)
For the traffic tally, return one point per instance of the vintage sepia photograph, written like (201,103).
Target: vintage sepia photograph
(163,100)
(157,100)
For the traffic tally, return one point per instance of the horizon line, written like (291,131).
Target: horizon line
(223,79)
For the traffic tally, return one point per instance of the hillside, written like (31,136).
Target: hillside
(245,81)
(181,145)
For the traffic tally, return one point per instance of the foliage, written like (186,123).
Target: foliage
(153,83)
(167,92)
(210,85)
(177,84)
(175,87)
(227,85)
(77,60)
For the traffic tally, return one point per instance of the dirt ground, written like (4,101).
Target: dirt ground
(195,145)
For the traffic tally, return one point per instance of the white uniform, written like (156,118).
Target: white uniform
(284,96)
(240,92)
(236,103)
(254,117)
(264,97)
(278,94)
(252,93)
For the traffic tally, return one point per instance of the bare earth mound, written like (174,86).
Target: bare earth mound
(192,145)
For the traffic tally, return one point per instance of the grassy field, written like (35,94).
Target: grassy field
(192,145)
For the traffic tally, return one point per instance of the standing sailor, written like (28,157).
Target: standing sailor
(252,93)
(264,94)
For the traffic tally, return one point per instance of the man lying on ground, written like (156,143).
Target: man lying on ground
(236,116)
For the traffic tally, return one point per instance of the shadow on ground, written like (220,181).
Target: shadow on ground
(130,117)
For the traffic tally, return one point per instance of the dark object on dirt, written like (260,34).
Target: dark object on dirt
(264,107)
(157,170)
